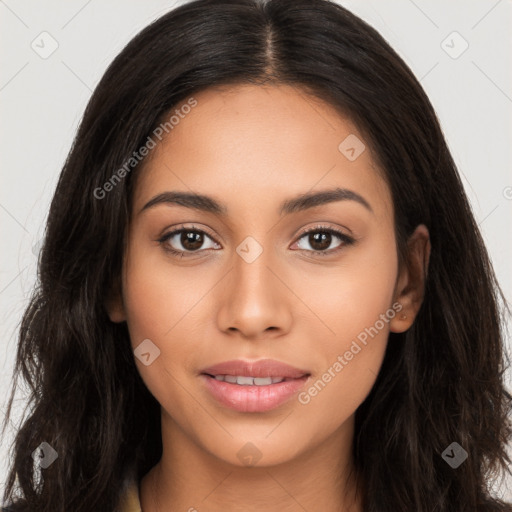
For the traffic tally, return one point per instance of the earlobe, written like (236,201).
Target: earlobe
(410,287)
(401,322)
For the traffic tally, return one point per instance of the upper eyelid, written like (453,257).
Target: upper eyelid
(180,229)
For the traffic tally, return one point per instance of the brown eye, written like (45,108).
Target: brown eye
(319,240)
(191,240)
(187,240)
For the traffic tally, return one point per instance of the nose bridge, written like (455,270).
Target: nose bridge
(251,274)
(253,300)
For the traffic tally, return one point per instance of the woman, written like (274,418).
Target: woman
(261,284)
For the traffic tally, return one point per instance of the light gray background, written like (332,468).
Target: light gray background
(42,101)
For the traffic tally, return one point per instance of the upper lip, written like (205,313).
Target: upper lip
(261,368)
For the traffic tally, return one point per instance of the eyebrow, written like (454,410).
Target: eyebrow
(295,204)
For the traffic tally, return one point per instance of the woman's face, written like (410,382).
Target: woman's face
(251,285)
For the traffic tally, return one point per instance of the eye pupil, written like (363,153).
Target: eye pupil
(321,237)
(191,240)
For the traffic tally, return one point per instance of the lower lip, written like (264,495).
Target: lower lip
(253,398)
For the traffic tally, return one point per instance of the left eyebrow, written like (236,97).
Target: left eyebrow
(313,199)
(299,203)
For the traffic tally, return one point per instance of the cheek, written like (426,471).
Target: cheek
(157,296)
(354,294)
(350,364)
(156,301)
(357,308)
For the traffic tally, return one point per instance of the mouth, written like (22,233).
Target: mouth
(242,380)
(253,386)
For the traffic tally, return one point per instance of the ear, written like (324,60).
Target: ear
(410,285)
(114,304)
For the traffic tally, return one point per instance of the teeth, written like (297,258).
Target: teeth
(249,381)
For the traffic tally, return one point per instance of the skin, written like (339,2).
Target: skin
(251,147)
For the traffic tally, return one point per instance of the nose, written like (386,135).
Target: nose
(254,300)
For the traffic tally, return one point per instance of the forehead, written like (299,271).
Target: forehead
(250,146)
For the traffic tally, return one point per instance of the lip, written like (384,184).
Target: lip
(261,368)
(254,398)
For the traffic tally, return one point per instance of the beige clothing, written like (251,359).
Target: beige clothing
(130,501)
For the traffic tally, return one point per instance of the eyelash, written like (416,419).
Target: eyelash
(345,239)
